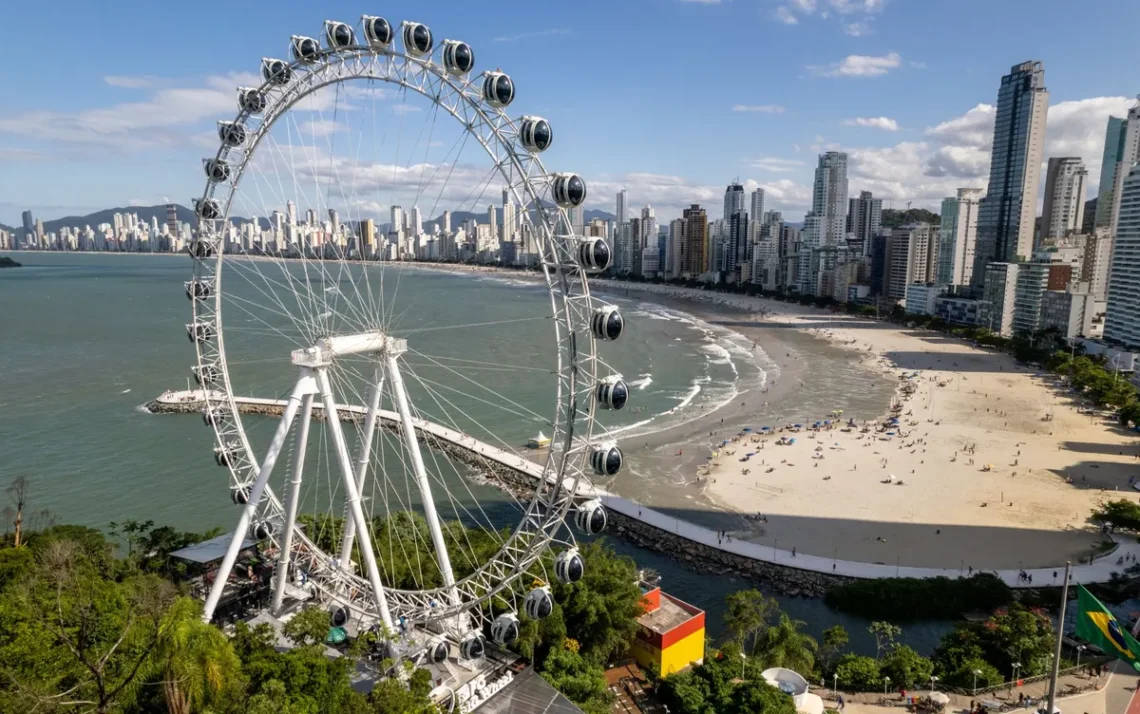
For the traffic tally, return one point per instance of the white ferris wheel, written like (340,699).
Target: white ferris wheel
(303,321)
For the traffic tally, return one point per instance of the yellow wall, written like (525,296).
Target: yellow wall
(684,652)
(646,655)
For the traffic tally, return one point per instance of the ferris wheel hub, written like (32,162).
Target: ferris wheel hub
(327,348)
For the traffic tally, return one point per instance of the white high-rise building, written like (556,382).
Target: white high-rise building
(447,221)
(1122,322)
(291,212)
(1064,208)
(757,205)
(397,219)
(958,236)
(620,213)
(493,219)
(416,222)
(829,197)
(510,218)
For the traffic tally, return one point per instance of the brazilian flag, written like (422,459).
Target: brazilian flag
(1097,626)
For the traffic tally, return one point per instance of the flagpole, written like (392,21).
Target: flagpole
(1060,637)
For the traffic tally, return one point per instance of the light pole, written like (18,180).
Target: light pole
(975,689)
(1080,648)
(933,680)
(886,683)
(1016,667)
(743,661)
(835,684)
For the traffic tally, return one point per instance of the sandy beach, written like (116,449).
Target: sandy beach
(990,465)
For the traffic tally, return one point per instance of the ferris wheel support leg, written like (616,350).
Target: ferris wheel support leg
(362,460)
(305,385)
(353,498)
(282,572)
(421,476)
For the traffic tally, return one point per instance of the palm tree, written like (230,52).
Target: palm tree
(783,645)
(198,663)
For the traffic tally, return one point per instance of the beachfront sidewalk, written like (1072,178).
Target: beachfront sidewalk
(1098,571)
(1087,702)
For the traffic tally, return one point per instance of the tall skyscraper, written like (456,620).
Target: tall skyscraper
(29,224)
(447,221)
(1122,322)
(865,218)
(620,213)
(1064,208)
(694,247)
(735,250)
(958,237)
(829,197)
(334,222)
(756,207)
(510,217)
(1007,216)
(1121,151)
(416,222)
(397,219)
(291,212)
(733,200)
(492,219)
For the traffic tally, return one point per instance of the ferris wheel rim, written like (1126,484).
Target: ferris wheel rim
(558,273)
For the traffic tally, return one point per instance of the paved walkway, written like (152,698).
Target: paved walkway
(1100,570)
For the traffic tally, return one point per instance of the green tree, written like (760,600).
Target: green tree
(392,696)
(905,667)
(749,613)
(601,609)
(1119,513)
(73,639)
(858,673)
(582,681)
(834,640)
(886,635)
(783,645)
(756,696)
(310,626)
(199,669)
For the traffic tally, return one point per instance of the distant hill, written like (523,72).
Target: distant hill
(897,219)
(6,262)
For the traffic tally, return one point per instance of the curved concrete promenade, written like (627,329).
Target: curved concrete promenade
(1100,570)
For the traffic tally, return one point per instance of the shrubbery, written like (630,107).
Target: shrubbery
(908,599)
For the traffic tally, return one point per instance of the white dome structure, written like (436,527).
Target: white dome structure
(786,680)
(808,703)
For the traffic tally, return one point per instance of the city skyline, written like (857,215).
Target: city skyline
(117,137)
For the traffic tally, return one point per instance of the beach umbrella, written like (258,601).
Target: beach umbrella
(798,426)
(940,698)
(747,428)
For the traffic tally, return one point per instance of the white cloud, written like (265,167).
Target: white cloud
(884,123)
(775,164)
(406,108)
(131,82)
(533,35)
(794,10)
(162,120)
(759,108)
(846,7)
(785,16)
(859,66)
(956,153)
(859,28)
(317,127)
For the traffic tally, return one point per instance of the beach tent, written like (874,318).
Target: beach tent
(747,428)
(808,703)
(940,698)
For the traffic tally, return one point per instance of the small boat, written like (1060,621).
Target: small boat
(538,442)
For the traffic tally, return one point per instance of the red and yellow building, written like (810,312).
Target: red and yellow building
(672,633)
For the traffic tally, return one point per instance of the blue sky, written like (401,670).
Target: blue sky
(110,104)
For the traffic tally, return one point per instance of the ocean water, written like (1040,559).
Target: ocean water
(86,339)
